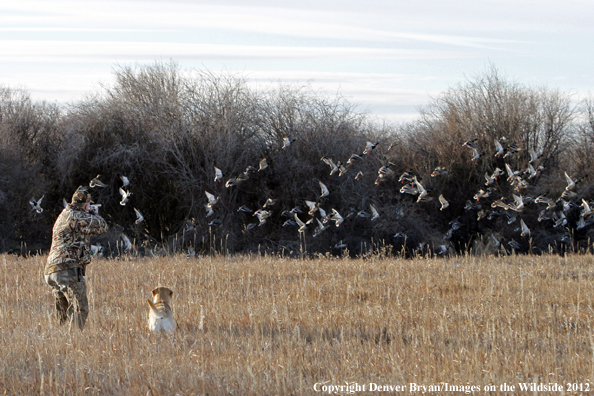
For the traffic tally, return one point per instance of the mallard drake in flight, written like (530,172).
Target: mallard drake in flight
(581,223)
(568,194)
(444,202)
(289,222)
(262,215)
(139,216)
(330,162)
(514,245)
(511,150)
(471,144)
(336,217)
(363,213)
(236,181)
(499,150)
(533,173)
(439,171)
(490,180)
(455,224)
(586,211)
(374,213)
(214,222)
(393,144)
(476,154)
(571,183)
(533,155)
(422,191)
(325,217)
(525,229)
(313,206)
(125,181)
(510,172)
(405,177)
(125,196)
(287,142)
(409,189)
(500,203)
(325,191)
(300,223)
(36,204)
(352,213)
(518,204)
(543,215)
(497,172)
(482,194)
(269,202)
(126,242)
(481,214)
(496,242)
(567,205)
(218,175)
(385,171)
(560,220)
(338,168)
(212,200)
(353,158)
(289,213)
(469,205)
(249,226)
(96,182)
(321,227)
(369,147)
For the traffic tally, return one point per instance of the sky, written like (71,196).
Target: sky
(389,57)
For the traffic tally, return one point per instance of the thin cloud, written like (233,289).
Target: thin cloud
(78,29)
(388,55)
(272,21)
(107,51)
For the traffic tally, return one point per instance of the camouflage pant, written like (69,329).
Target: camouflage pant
(70,293)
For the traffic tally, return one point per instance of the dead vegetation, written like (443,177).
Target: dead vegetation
(166,129)
(272,325)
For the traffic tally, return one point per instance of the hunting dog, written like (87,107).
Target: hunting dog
(160,313)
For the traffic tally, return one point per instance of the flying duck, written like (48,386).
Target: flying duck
(36,204)
(125,196)
(139,216)
(96,182)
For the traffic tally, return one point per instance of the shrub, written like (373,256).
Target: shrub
(167,129)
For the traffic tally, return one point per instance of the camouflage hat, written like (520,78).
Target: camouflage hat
(81,196)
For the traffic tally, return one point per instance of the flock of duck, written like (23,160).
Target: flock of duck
(412,184)
(295,215)
(555,209)
(94,208)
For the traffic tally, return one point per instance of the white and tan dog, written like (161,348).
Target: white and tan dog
(160,313)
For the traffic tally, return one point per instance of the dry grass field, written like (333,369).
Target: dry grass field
(275,326)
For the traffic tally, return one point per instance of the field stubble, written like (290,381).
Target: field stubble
(268,325)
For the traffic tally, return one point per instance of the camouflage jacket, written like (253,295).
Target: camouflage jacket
(71,239)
